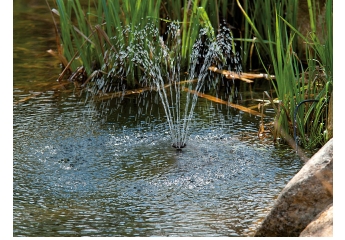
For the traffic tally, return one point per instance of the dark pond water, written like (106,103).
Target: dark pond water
(77,172)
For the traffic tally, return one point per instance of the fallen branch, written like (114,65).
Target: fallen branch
(57,86)
(121,94)
(243,76)
(27,98)
(218,100)
(135,91)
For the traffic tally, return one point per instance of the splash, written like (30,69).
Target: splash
(156,60)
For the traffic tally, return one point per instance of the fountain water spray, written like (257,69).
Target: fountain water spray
(159,59)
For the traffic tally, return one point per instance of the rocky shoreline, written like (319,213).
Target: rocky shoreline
(304,207)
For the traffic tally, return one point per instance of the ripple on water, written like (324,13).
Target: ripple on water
(84,179)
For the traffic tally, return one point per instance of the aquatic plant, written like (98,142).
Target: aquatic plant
(88,31)
(303,89)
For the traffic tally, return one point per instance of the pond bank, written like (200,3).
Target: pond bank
(305,205)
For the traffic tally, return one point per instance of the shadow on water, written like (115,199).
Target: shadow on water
(77,173)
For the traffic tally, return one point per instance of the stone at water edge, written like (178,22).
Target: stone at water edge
(322,226)
(307,194)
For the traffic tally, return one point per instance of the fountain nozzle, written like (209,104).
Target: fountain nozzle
(178,145)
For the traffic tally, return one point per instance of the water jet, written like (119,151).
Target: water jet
(159,61)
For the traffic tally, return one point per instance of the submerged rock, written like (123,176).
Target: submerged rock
(307,194)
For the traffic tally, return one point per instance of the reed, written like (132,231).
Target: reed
(304,84)
(92,31)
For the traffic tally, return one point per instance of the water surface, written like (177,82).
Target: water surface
(80,172)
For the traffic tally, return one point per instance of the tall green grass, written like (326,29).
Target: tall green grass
(92,31)
(89,32)
(296,81)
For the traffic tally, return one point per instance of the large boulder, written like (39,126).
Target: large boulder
(322,226)
(307,194)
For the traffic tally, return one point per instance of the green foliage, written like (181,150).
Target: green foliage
(277,35)
(91,32)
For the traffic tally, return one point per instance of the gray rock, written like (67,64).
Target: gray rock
(307,194)
(322,226)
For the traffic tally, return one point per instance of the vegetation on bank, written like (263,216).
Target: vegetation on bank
(301,63)
(91,34)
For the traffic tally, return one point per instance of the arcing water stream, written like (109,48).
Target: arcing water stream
(161,63)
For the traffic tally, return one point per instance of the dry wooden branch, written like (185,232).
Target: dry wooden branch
(56,86)
(243,76)
(218,100)
(134,91)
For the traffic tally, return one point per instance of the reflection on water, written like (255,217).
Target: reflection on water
(77,173)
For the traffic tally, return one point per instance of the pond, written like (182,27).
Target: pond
(79,172)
